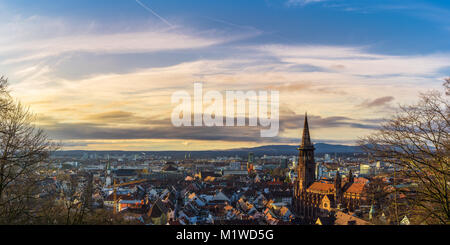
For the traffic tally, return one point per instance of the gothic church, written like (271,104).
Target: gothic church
(314,198)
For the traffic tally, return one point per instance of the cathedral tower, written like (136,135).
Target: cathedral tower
(306,164)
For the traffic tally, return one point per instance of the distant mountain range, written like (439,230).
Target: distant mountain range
(321,148)
(292,149)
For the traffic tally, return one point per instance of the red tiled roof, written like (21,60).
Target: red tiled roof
(346,219)
(228,207)
(321,187)
(361,180)
(119,197)
(356,188)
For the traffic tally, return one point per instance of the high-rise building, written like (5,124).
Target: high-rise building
(283,163)
(108,174)
(320,171)
(379,164)
(251,157)
(250,162)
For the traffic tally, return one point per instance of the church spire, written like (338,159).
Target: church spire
(306,138)
(306,165)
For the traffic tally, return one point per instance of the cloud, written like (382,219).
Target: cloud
(290,87)
(132,42)
(112,115)
(164,129)
(37,38)
(382,101)
(357,61)
(302,86)
(302,2)
(133,103)
(418,9)
(290,120)
(77,131)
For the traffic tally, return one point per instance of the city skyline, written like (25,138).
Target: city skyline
(99,76)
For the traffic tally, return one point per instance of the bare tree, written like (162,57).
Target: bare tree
(5,99)
(416,141)
(377,193)
(24,150)
(26,193)
(447,86)
(70,205)
(74,198)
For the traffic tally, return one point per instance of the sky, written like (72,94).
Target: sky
(99,75)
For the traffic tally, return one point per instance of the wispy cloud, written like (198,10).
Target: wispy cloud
(105,131)
(382,101)
(344,81)
(37,38)
(358,61)
(150,41)
(419,9)
(302,2)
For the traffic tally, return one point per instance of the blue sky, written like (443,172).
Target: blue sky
(348,63)
(399,27)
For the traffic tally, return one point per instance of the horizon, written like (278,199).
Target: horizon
(99,76)
(229,149)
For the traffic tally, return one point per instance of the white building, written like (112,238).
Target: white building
(365,169)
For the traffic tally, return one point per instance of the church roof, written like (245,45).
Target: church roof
(220,197)
(321,187)
(157,209)
(356,188)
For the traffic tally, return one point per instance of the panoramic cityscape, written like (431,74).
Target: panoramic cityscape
(225,113)
(236,187)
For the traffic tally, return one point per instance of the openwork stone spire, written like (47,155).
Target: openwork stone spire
(306,138)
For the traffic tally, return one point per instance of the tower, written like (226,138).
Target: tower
(351,178)
(338,188)
(108,181)
(250,161)
(306,167)
(251,157)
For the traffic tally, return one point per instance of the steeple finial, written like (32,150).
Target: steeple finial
(306,138)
